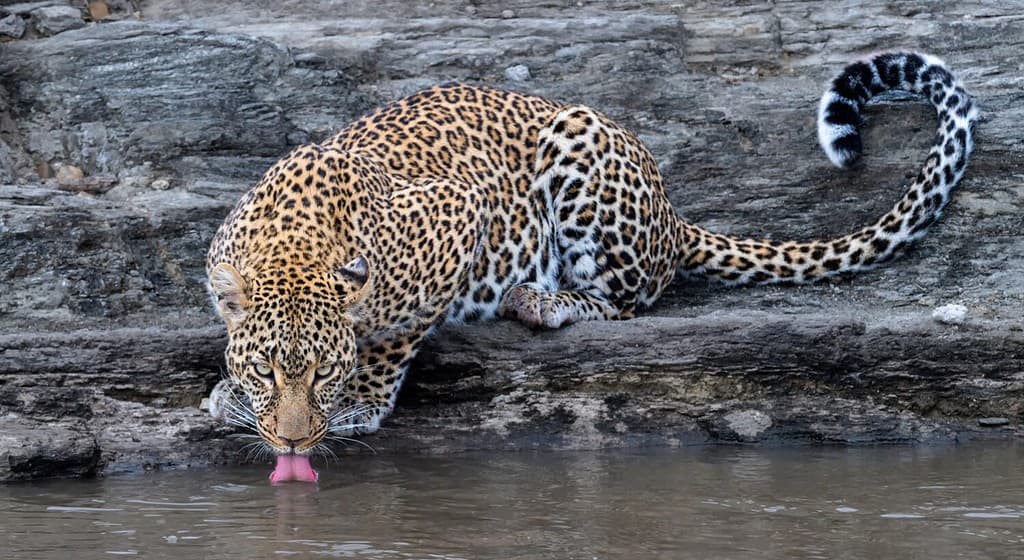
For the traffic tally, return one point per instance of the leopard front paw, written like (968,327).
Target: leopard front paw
(533,307)
(522,303)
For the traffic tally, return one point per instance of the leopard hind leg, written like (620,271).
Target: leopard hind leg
(612,222)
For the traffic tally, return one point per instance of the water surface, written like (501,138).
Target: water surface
(720,502)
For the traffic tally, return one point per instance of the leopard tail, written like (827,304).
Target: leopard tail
(749,261)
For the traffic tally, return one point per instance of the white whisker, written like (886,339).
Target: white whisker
(346,427)
(350,440)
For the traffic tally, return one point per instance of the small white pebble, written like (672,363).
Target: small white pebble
(508,14)
(160,185)
(171,539)
(517,73)
(951,314)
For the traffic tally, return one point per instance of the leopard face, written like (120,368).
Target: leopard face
(291,348)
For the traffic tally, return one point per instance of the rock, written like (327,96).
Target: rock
(507,14)
(748,423)
(7,164)
(309,59)
(68,174)
(26,8)
(993,422)
(98,10)
(160,185)
(517,73)
(31,449)
(951,314)
(106,331)
(12,26)
(43,170)
(95,184)
(51,20)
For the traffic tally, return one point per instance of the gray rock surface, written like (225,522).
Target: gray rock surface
(12,26)
(51,20)
(108,344)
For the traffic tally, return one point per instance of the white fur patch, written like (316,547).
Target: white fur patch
(827,132)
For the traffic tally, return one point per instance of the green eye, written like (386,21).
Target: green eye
(263,370)
(323,372)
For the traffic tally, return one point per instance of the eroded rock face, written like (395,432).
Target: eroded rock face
(108,344)
(51,20)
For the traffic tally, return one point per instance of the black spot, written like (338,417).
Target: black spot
(937,74)
(947,173)
(888,66)
(853,82)
(850,144)
(961,137)
(760,276)
(912,64)
(839,112)
(950,148)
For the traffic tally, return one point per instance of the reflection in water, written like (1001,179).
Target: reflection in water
(719,502)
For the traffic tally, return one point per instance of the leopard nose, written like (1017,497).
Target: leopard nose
(293,443)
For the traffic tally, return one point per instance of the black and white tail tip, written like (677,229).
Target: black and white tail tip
(840,107)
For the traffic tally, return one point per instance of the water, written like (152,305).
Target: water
(722,502)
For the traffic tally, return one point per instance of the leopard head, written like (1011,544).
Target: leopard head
(291,347)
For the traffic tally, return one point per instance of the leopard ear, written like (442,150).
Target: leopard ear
(355,275)
(230,294)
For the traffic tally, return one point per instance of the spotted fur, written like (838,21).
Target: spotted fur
(463,202)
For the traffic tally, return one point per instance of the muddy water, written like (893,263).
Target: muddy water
(952,502)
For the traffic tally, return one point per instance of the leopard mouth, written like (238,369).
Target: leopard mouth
(293,468)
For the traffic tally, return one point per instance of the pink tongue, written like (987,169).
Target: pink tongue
(293,467)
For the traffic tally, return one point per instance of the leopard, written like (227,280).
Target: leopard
(466,202)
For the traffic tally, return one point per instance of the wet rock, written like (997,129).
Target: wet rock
(993,422)
(31,449)
(51,20)
(517,73)
(12,26)
(748,424)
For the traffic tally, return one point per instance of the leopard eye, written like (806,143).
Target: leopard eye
(263,371)
(323,372)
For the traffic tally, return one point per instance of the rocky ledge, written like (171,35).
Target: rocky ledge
(124,143)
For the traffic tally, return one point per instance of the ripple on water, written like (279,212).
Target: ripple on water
(80,509)
(697,503)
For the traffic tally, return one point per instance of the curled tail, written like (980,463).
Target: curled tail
(752,261)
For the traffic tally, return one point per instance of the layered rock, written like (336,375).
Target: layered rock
(124,144)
